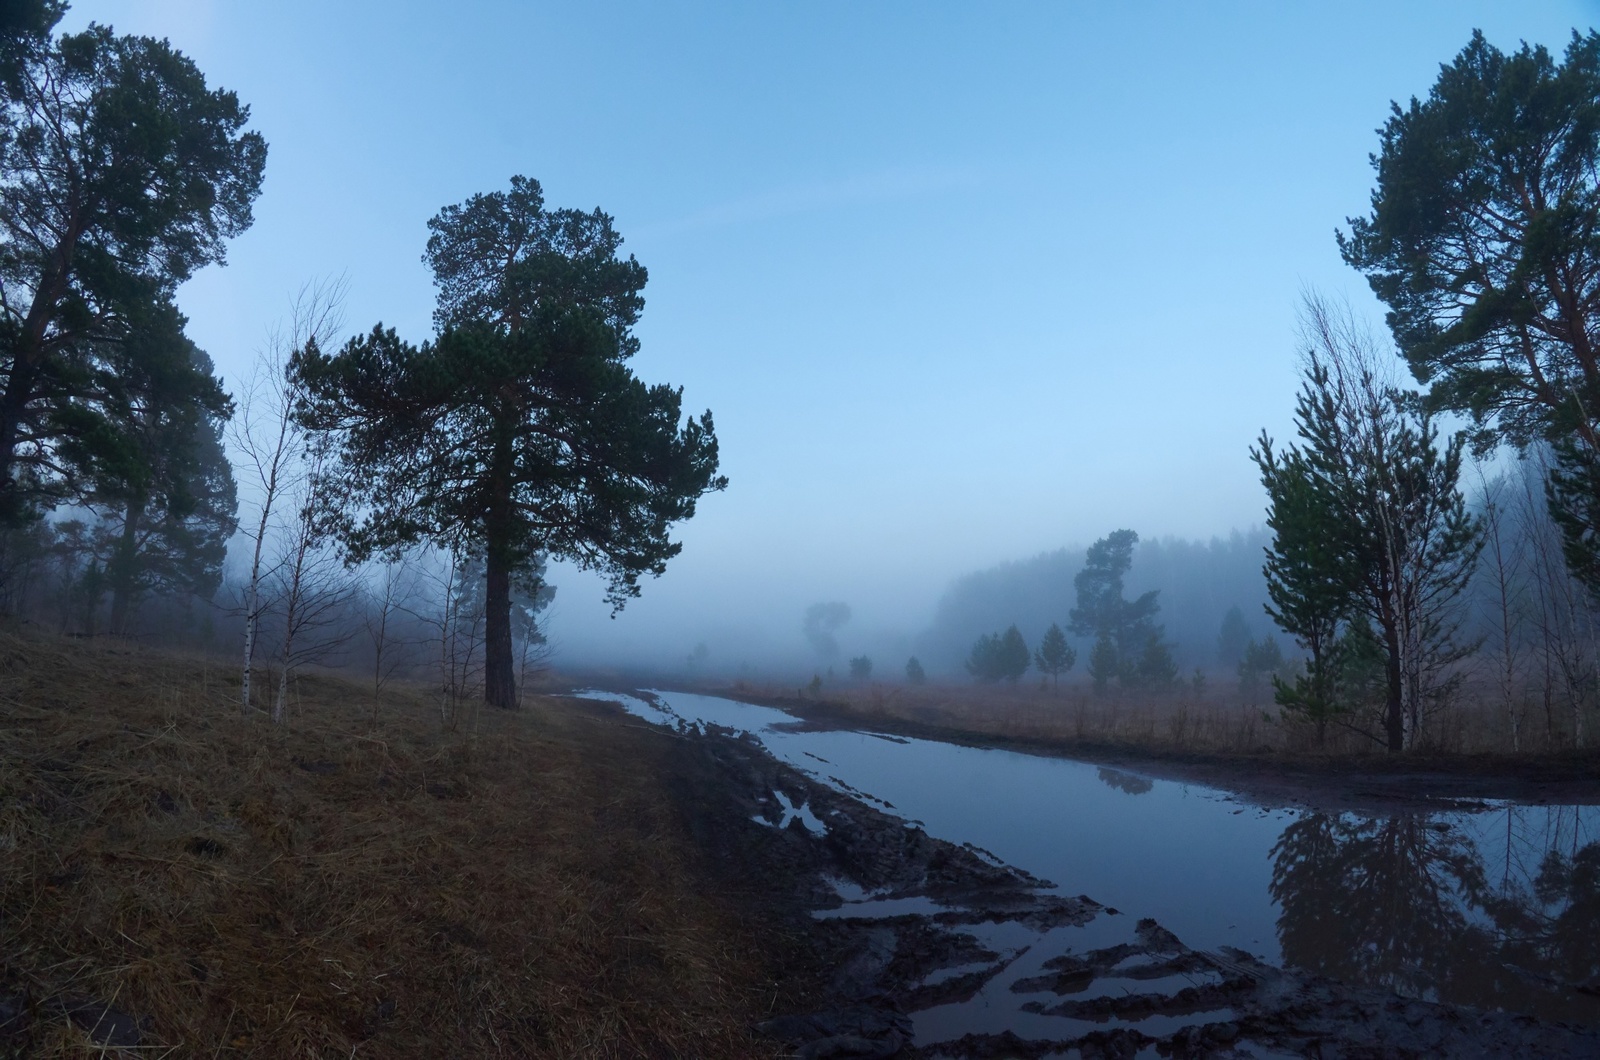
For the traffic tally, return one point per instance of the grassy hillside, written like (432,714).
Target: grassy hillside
(201,884)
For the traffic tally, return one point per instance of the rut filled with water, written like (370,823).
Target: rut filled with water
(1495,908)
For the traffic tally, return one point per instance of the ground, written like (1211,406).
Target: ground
(562,881)
(190,882)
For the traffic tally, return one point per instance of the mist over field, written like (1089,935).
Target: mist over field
(751,531)
(964,293)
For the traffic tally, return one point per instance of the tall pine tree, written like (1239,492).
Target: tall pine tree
(518,430)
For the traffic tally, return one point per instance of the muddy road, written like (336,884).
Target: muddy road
(961,902)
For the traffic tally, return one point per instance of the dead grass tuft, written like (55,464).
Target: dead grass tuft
(333,889)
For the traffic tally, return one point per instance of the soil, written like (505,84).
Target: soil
(866,975)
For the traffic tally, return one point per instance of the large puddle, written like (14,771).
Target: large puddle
(1496,909)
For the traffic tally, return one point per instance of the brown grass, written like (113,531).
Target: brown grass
(1212,722)
(333,889)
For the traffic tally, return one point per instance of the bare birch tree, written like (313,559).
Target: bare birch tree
(1503,572)
(388,596)
(270,444)
(315,586)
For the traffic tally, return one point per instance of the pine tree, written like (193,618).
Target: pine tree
(1232,637)
(1371,524)
(1123,629)
(121,174)
(168,499)
(1012,656)
(1103,663)
(519,429)
(983,662)
(1055,656)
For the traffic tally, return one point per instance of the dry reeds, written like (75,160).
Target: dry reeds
(1221,721)
(334,889)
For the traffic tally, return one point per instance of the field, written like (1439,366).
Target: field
(195,883)
(1221,728)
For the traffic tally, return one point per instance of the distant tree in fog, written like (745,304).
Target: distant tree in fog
(860,668)
(168,503)
(385,598)
(1232,637)
(1260,662)
(914,671)
(820,624)
(1055,656)
(983,660)
(1154,668)
(519,430)
(999,656)
(1128,643)
(1103,663)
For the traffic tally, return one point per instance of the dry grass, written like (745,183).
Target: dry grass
(339,890)
(1220,722)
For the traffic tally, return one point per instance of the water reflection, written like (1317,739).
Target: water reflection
(1131,783)
(1405,902)
(1494,909)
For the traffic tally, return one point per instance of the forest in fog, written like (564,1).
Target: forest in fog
(395,505)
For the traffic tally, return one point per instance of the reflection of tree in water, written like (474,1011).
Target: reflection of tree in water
(1377,901)
(1404,903)
(1554,931)
(1128,782)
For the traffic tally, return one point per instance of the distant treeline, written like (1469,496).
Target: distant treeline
(1198,582)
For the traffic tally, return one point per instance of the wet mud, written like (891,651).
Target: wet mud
(917,947)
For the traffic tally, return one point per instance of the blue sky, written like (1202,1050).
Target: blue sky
(960,283)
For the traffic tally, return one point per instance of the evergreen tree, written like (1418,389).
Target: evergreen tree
(166,491)
(1484,241)
(1103,663)
(999,657)
(983,662)
(1373,524)
(1012,655)
(1312,581)
(1155,668)
(1261,659)
(1123,629)
(914,671)
(1232,637)
(121,173)
(519,429)
(1055,656)
(860,668)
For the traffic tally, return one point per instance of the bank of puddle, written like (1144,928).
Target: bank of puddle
(1497,909)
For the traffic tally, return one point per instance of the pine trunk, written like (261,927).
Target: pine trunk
(122,577)
(499,672)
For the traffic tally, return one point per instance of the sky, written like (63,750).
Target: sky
(960,283)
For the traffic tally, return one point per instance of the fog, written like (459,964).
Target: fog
(963,288)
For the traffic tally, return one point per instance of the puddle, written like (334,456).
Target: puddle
(881,909)
(1495,909)
(791,812)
